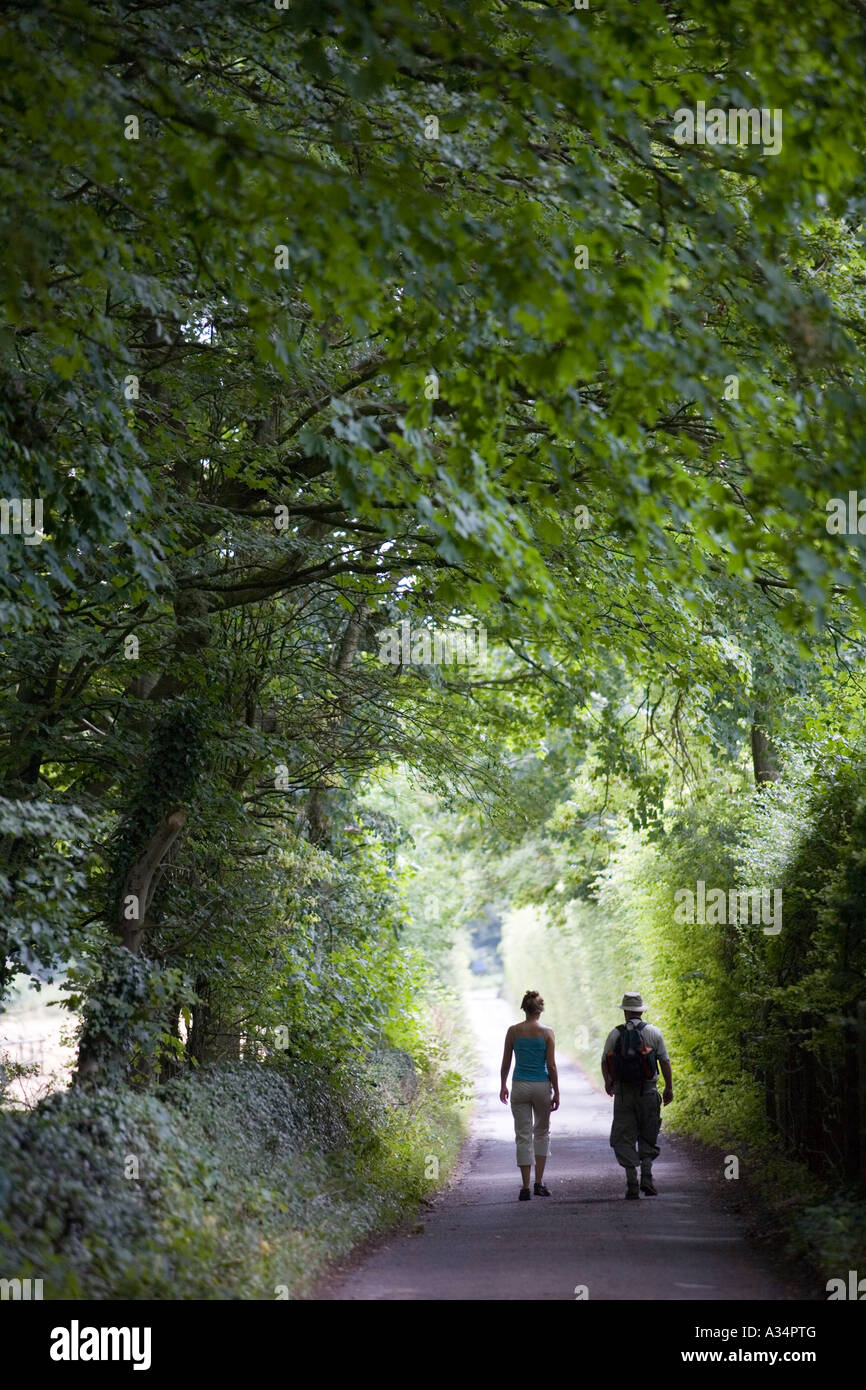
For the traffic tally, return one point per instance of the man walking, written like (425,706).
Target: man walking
(632,1055)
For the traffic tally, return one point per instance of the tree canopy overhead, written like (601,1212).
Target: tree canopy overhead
(282,223)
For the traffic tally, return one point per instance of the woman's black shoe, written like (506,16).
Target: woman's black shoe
(525,1194)
(541,1190)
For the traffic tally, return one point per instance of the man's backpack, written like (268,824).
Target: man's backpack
(633,1062)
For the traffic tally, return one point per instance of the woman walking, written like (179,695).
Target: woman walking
(534,1090)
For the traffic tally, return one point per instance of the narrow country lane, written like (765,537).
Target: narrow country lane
(479,1242)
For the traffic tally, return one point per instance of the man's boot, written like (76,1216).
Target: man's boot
(631,1189)
(647,1185)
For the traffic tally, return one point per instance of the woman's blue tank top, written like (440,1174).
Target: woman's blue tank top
(530,1059)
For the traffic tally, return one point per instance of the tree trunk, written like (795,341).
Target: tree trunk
(138,884)
(196,1043)
(101,1049)
(763,754)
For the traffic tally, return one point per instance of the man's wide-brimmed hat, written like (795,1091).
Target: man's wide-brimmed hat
(633,1004)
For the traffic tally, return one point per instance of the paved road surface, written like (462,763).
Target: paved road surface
(479,1242)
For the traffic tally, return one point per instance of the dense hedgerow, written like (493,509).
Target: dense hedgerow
(248,1182)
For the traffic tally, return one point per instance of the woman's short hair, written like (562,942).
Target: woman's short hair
(532,1002)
